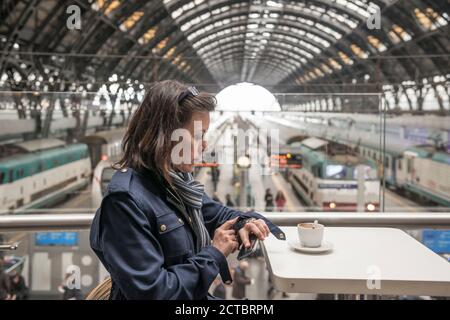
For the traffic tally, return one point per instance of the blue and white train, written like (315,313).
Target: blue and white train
(330,177)
(422,171)
(41,172)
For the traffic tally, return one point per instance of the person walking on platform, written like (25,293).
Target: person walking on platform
(18,287)
(157,232)
(240,280)
(229,202)
(280,200)
(268,198)
(215,175)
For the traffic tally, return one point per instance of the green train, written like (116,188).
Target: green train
(41,172)
(328,177)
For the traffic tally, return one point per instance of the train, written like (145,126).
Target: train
(40,173)
(421,172)
(329,177)
(104,145)
(101,177)
(416,169)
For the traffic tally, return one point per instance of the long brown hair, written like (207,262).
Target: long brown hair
(147,141)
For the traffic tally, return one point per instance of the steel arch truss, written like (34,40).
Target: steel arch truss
(285,45)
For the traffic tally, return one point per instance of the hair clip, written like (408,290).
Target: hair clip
(191,91)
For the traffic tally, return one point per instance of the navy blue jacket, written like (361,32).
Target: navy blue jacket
(142,234)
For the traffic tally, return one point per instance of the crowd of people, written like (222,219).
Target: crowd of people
(271,203)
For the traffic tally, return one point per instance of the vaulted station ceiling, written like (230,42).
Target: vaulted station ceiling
(318,45)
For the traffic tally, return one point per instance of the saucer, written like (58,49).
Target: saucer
(326,246)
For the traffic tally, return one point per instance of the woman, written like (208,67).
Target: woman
(280,200)
(156,232)
(268,198)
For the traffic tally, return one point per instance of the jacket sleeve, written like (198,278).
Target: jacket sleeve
(136,262)
(215,214)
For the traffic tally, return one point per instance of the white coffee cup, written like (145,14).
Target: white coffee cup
(310,234)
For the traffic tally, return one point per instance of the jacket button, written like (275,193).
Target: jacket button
(181,220)
(163,227)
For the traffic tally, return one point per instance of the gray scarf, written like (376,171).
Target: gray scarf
(191,193)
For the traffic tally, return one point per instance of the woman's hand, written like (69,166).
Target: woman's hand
(256,226)
(225,238)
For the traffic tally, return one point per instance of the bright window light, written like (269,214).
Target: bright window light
(246,96)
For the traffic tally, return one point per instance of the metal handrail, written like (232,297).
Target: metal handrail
(9,247)
(19,264)
(82,221)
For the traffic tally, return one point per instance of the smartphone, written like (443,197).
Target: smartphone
(246,252)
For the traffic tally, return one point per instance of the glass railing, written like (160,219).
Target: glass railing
(304,153)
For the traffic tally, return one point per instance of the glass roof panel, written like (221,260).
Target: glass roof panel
(303,30)
(131,20)
(376,43)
